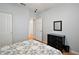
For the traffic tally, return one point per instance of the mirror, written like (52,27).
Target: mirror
(57,25)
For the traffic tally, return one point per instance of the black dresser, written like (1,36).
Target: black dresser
(55,40)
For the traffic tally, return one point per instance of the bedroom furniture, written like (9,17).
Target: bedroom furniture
(66,48)
(29,48)
(57,41)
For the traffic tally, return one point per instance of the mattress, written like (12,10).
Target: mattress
(29,48)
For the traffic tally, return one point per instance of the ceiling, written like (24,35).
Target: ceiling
(33,6)
(39,6)
(44,6)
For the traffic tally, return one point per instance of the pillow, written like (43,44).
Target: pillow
(26,43)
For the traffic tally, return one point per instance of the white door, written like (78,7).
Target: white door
(5,29)
(38,29)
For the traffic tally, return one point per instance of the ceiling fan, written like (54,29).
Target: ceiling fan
(36,10)
(23,4)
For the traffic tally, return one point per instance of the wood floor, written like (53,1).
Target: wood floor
(69,53)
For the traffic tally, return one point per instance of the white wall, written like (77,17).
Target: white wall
(31,22)
(31,26)
(69,14)
(20,19)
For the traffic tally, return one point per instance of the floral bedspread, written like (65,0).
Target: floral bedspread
(29,48)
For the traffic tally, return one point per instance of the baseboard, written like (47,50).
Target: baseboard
(72,51)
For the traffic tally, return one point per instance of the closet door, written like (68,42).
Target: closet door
(5,29)
(38,29)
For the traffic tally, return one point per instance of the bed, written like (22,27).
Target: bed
(29,48)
